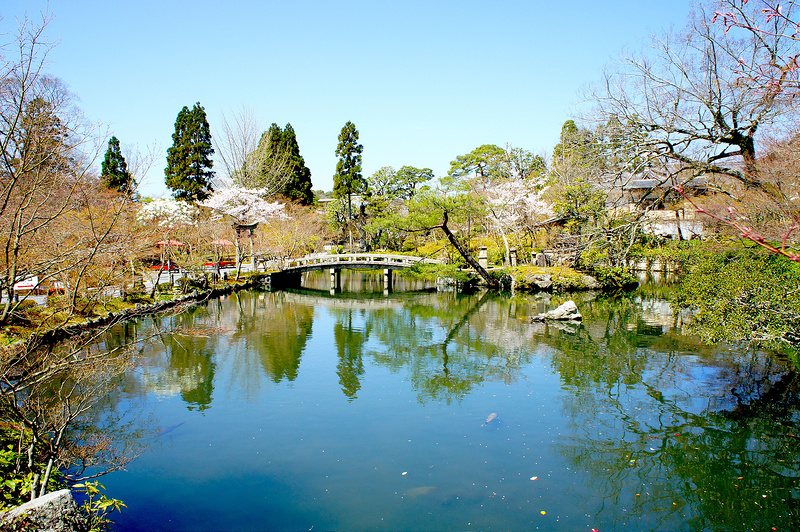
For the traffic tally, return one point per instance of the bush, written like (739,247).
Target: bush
(743,295)
(615,278)
(187,285)
(165,288)
(137,295)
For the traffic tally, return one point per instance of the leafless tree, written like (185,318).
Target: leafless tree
(246,159)
(47,181)
(691,103)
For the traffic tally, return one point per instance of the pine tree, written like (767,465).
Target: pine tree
(298,186)
(114,170)
(189,163)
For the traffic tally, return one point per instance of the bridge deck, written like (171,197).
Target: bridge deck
(355,261)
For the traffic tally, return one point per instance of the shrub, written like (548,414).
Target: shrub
(743,295)
(615,278)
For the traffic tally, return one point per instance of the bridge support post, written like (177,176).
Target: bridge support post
(336,280)
(387,281)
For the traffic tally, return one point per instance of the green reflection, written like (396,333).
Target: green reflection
(274,328)
(663,433)
(654,454)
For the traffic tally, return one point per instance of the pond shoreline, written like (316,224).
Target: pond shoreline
(59,334)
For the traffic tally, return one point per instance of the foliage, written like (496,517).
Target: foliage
(16,478)
(114,170)
(743,295)
(275,166)
(614,278)
(188,172)
(490,162)
(298,185)
(435,271)
(348,180)
(388,184)
(97,507)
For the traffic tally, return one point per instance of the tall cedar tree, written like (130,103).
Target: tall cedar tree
(348,180)
(271,144)
(298,186)
(114,170)
(189,163)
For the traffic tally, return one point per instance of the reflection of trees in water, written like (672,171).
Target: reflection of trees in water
(181,361)
(665,429)
(434,338)
(648,432)
(257,333)
(350,350)
(274,330)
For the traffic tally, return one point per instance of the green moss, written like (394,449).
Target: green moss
(564,279)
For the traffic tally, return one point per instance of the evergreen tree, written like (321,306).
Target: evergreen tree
(189,163)
(268,167)
(114,170)
(348,180)
(298,186)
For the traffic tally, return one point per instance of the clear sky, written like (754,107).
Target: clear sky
(423,81)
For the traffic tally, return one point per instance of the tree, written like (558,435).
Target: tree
(57,223)
(506,181)
(695,103)
(480,164)
(348,180)
(46,184)
(189,163)
(298,186)
(394,184)
(437,209)
(245,206)
(114,171)
(273,159)
(246,156)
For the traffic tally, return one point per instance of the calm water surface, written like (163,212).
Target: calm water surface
(305,411)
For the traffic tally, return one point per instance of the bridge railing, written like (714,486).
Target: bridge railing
(342,259)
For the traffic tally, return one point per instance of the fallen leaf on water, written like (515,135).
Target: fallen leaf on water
(543,512)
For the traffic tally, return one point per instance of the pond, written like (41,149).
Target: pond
(299,410)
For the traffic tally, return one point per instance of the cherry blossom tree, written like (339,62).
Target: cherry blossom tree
(243,205)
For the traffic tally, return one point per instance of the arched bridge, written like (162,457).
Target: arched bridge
(364,261)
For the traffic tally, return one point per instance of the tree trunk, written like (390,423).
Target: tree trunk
(678,225)
(490,281)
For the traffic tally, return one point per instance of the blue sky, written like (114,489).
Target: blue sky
(423,81)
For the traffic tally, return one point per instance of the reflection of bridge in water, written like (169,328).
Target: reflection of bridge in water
(355,261)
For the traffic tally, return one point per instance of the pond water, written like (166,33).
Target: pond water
(300,410)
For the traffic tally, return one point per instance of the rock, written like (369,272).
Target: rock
(590,282)
(543,280)
(565,312)
(54,512)
(542,260)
